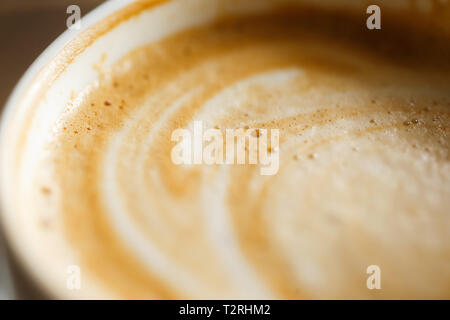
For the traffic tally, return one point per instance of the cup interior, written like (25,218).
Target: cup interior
(61,73)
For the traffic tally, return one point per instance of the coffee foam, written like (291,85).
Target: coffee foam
(363,177)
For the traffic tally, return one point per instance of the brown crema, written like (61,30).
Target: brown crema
(364,162)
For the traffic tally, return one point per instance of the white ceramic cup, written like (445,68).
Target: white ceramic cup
(107,34)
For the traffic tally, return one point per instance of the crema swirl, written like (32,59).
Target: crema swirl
(364,168)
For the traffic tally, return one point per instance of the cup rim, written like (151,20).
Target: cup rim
(109,15)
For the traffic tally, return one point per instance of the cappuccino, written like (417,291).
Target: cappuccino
(363,177)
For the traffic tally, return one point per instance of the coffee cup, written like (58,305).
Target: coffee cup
(94,205)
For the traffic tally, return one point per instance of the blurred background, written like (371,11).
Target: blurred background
(27,27)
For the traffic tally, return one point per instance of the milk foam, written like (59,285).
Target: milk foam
(364,164)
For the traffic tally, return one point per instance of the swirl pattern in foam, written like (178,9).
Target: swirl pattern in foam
(364,164)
